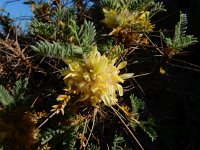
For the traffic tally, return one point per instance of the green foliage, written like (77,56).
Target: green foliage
(66,136)
(65,14)
(136,104)
(84,41)
(45,30)
(156,8)
(146,5)
(84,35)
(62,136)
(135,5)
(116,143)
(49,134)
(116,51)
(112,4)
(70,138)
(92,147)
(147,127)
(180,39)
(150,132)
(68,38)
(5,98)
(57,28)
(105,46)
(56,50)
(19,88)
(17,93)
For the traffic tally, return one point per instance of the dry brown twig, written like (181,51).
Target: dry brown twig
(13,50)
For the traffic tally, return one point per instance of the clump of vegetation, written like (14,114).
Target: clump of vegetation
(82,91)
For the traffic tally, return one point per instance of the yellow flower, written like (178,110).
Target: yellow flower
(124,19)
(144,22)
(110,18)
(113,19)
(162,71)
(63,98)
(96,78)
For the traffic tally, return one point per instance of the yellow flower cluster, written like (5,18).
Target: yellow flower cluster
(95,78)
(113,19)
(127,19)
(63,99)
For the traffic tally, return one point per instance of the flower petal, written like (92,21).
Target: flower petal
(100,65)
(126,75)
(117,78)
(106,100)
(73,66)
(113,61)
(120,89)
(92,56)
(122,65)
